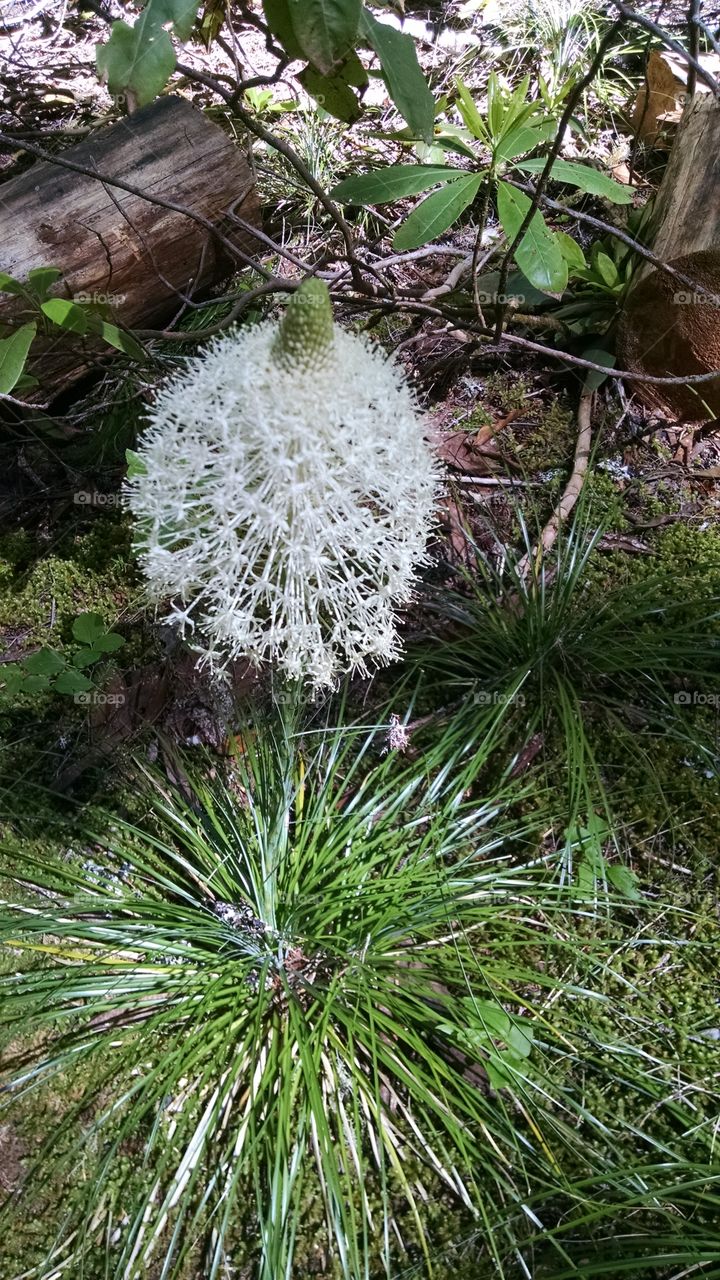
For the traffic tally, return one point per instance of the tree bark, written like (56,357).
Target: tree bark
(129,253)
(668,328)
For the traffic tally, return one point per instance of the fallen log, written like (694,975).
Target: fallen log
(139,253)
(671,326)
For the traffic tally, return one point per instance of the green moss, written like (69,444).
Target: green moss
(88,572)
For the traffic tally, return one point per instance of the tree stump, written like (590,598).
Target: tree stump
(136,257)
(660,102)
(669,328)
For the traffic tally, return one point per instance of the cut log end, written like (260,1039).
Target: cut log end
(138,258)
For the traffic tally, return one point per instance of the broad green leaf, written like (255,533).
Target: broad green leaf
(277,16)
(11,678)
(605,267)
(406,83)
(538,255)
(332,93)
(86,657)
(437,212)
(72,682)
(44,663)
(135,464)
(381,185)
(593,379)
(110,642)
(67,315)
(36,683)
(571,251)
(40,279)
(87,627)
(13,354)
(456,139)
(488,1016)
(325,30)
(519,1038)
(584,177)
(8,284)
(137,60)
(625,881)
(181,14)
(524,137)
(121,341)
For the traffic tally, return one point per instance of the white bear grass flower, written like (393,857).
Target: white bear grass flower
(283,495)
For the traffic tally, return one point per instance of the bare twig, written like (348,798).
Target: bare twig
(572,490)
(631,15)
(607,227)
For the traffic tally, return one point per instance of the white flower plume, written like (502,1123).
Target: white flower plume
(282,505)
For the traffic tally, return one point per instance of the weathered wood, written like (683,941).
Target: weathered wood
(140,259)
(667,327)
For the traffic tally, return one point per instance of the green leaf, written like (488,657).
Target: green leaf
(11,678)
(88,627)
(40,279)
(277,16)
(571,251)
(519,1039)
(110,642)
(382,185)
(593,379)
(13,354)
(67,315)
(495,107)
(325,29)
(8,284)
(524,137)
(86,657)
(605,267)
(121,341)
(44,663)
(332,93)
(582,176)
(135,464)
(406,83)
(72,682)
(35,684)
(437,212)
(469,112)
(181,14)
(625,881)
(137,60)
(488,1016)
(538,255)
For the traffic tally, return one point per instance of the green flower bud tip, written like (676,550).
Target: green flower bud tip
(306,333)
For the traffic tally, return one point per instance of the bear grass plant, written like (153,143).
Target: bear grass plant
(587,673)
(283,495)
(328,967)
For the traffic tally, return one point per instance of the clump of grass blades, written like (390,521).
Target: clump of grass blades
(560,651)
(328,961)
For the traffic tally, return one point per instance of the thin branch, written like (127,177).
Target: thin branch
(572,490)
(607,227)
(694,45)
(631,15)
(461,325)
(279,144)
